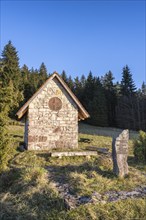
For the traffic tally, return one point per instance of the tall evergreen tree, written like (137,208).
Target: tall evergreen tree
(89,88)
(6,102)
(83,81)
(70,83)
(25,73)
(97,106)
(64,76)
(107,81)
(10,72)
(77,88)
(117,89)
(10,66)
(25,76)
(143,88)
(110,94)
(34,79)
(26,85)
(42,74)
(126,108)
(127,84)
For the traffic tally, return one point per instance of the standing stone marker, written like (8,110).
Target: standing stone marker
(120,154)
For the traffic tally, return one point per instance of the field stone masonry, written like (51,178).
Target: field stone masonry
(51,116)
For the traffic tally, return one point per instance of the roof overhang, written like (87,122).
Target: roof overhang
(82,113)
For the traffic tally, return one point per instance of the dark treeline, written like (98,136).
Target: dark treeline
(111,104)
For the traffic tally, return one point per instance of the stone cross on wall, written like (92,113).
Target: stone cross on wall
(120,154)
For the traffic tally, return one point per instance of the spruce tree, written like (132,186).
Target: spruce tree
(64,76)
(70,83)
(143,88)
(83,81)
(25,76)
(42,74)
(34,80)
(126,109)
(10,66)
(107,81)
(77,88)
(89,88)
(97,106)
(110,94)
(25,73)
(10,74)
(127,84)
(6,102)
(26,85)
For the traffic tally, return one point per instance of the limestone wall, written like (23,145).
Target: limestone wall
(49,129)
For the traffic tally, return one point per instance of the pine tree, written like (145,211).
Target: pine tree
(143,88)
(83,81)
(6,102)
(110,94)
(127,83)
(25,73)
(26,86)
(25,76)
(117,89)
(126,105)
(107,81)
(97,106)
(10,66)
(64,76)
(34,80)
(70,83)
(42,74)
(77,88)
(89,88)
(10,73)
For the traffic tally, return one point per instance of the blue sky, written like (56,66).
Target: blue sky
(77,36)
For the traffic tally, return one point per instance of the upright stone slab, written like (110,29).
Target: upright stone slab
(120,154)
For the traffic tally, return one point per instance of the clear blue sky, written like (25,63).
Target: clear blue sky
(78,36)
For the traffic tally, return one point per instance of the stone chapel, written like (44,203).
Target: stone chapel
(51,116)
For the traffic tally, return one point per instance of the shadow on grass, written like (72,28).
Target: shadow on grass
(135,163)
(21,200)
(85,140)
(61,174)
(17,136)
(45,155)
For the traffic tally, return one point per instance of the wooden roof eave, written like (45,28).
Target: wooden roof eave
(80,116)
(21,114)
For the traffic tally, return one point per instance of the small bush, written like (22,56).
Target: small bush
(140,147)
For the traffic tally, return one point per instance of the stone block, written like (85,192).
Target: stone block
(120,154)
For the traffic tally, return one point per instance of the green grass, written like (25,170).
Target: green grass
(28,190)
(16,132)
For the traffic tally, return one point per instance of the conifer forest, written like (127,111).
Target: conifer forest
(109,103)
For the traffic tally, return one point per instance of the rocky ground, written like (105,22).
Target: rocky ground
(73,201)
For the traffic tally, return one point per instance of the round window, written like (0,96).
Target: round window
(55,104)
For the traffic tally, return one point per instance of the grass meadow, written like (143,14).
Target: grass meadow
(28,189)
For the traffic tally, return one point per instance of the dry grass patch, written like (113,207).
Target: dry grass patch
(122,210)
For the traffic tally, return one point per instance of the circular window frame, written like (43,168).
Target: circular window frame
(55,104)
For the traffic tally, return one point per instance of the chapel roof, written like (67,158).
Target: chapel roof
(82,113)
